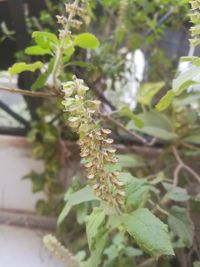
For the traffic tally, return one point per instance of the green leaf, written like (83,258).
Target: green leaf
(86,40)
(182,225)
(21,67)
(115,248)
(94,222)
(81,212)
(187,99)
(194,59)
(155,124)
(130,161)
(193,138)
(132,252)
(176,193)
(40,81)
(184,86)
(83,195)
(36,50)
(46,40)
(96,254)
(38,181)
(184,80)
(149,232)
(165,101)
(137,192)
(125,111)
(42,78)
(147,91)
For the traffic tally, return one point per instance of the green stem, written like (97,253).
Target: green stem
(59,51)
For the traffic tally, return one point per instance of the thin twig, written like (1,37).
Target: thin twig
(190,146)
(182,165)
(176,173)
(157,207)
(195,174)
(26,92)
(163,211)
(131,133)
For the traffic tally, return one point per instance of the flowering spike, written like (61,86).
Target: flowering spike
(94,142)
(195,18)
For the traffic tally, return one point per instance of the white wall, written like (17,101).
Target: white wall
(19,246)
(15,162)
(23,248)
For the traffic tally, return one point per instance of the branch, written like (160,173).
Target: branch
(176,173)
(159,23)
(131,133)
(182,165)
(26,92)
(158,208)
(197,148)
(26,219)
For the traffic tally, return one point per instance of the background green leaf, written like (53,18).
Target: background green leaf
(155,124)
(86,40)
(182,225)
(125,111)
(165,101)
(147,91)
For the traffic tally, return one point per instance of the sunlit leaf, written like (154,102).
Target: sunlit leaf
(86,40)
(36,50)
(184,80)
(165,101)
(45,40)
(21,67)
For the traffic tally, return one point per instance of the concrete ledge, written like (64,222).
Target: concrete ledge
(27,219)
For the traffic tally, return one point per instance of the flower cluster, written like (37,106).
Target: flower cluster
(94,142)
(195,18)
(54,246)
(73,11)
